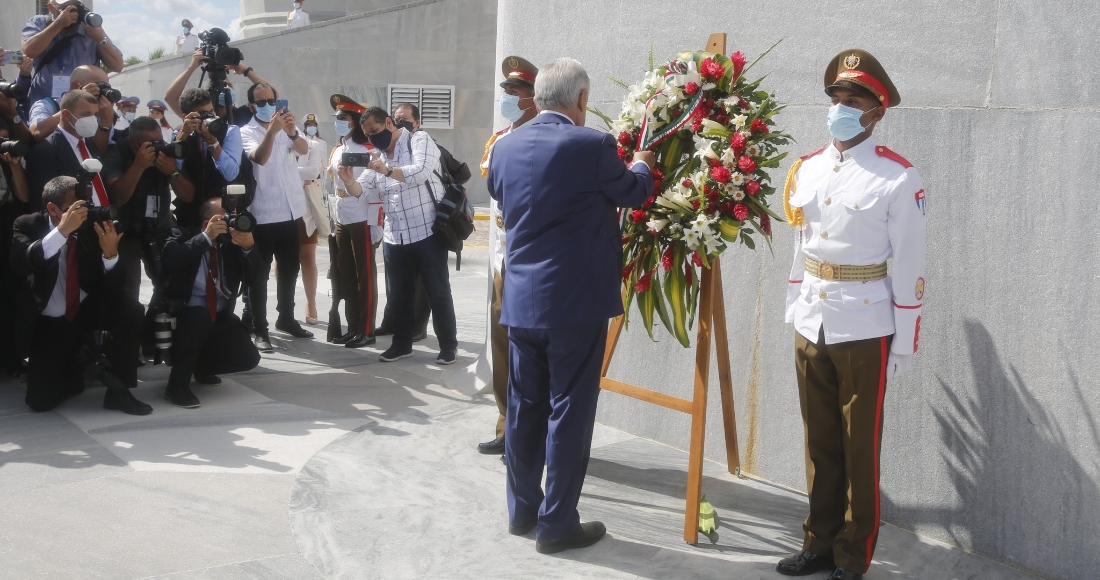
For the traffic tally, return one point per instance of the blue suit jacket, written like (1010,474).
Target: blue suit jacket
(559,186)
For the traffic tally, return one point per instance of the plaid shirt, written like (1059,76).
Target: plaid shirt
(410,211)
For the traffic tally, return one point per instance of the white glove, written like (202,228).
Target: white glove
(897,365)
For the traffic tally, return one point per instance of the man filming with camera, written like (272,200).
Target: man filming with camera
(68,37)
(138,172)
(212,154)
(216,59)
(205,268)
(69,252)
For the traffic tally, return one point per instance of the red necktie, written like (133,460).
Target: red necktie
(97,183)
(211,283)
(72,280)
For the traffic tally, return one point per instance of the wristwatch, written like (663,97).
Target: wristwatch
(173,176)
(106,40)
(105,129)
(17,120)
(294,136)
(389,171)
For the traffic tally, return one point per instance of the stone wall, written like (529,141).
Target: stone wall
(992,442)
(431,42)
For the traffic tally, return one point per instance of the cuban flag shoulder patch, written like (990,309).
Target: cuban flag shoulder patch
(920,201)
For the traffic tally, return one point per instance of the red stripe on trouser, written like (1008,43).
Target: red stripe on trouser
(368,256)
(885,347)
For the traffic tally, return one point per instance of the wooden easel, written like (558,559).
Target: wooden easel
(712,311)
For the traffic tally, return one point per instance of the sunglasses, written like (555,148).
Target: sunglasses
(267,102)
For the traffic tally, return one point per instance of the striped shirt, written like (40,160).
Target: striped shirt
(410,211)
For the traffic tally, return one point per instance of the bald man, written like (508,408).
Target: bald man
(45,115)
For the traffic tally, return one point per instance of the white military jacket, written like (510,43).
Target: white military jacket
(497,236)
(860,207)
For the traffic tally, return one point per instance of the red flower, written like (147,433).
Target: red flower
(710,69)
(738,64)
(695,259)
(623,153)
(626,139)
(720,174)
(691,88)
(712,207)
(657,173)
(766,224)
(726,207)
(741,212)
(721,118)
(638,216)
(712,195)
(628,269)
(686,183)
(758,126)
(696,125)
(752,187)
(743,104)
(714,162)
(746,164)
(666,259)
(695,204)
(649,202)
(644,282)
(737,142)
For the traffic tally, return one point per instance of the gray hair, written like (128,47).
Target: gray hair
(56,189)
(71,98)
(559,85)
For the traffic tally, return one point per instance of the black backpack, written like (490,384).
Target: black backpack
(454,216)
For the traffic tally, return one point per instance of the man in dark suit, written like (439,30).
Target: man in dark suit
(205,268)
(76,290)
(559,185)
(80,136)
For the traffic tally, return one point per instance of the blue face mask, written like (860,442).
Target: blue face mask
(265,112)
(843,122)
(232,97)
(343,128)
(509,108)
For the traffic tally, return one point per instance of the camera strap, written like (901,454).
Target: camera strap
(52,54)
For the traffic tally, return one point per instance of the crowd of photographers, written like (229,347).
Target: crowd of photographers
(94,196)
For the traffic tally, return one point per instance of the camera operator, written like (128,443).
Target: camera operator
(213,154)
(205,268)
(61,152)
(75,289)
(63,40)
(241,114)
(13,203)
(45,115)
(138,177)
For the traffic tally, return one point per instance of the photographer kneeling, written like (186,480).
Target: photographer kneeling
(138,173)
(205,268)
(69,253)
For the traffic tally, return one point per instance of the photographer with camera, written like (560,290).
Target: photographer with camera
(69,254)
(71,143)
(138,172)
(214,46)
(45,115)
(68,37)
(213,155)
(205,268)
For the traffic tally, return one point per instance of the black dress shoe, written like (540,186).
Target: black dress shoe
(292,328)
(344,338)
(208,379)
(804,563)
(494,447)
(361,340)
(590,533)
(125,401)
(263,343)
(842,574)
(181,397)
(521,530)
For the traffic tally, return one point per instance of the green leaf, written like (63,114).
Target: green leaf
(619,82)
(675,290)
(747,240)
(607,120)
(762,55)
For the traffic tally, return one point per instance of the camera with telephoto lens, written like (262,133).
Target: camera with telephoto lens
(85,16)
(217,127)
(173,149)
(13,147)
(111,94)
(215,47)
(236,216)
(96,214)
(12,90)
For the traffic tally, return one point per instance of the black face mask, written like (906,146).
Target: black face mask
(406,125)
(381,140)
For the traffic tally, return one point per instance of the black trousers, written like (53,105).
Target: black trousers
(422,307)
(279,241)
(358,276)
(204,347)
(53,371)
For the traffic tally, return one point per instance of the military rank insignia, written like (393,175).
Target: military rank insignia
(920,201)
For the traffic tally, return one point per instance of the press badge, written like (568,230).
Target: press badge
(152,207)
(60,87)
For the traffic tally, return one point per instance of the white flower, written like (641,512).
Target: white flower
(656,225)
(738,195)
(753,150)
(739,121)
(691,238)
(737,179)
(713,244)
(704,147)
(729,158)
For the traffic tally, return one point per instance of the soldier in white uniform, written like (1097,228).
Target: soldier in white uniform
(517,105)
(186,43)
(297,17)
(855,204)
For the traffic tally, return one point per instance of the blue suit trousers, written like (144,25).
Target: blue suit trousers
(553,386)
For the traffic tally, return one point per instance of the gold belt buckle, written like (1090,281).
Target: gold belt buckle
(827,272)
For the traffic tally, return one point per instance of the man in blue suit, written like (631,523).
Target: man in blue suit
(558,185)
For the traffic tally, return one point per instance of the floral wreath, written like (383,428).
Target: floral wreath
(713,136)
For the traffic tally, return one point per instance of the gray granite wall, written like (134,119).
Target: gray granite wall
(441,42)
(14,15)
(993,441)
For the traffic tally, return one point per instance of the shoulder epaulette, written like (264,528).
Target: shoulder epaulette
(812,153)
(502,131)
(887,153)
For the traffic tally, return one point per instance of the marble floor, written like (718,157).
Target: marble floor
(325,463)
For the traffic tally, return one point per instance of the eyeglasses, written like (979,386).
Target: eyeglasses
(267,102)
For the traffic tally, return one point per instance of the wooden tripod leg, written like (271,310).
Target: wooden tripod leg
(699,409)
(613,332)
(725,376)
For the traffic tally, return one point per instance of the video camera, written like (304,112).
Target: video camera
(14,147)
(234,202)
(105,90)
(12,90)
(96,214)
(215,47)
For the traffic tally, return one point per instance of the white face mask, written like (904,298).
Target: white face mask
(311,130)
(129,116)
(297,5)
(87,126)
